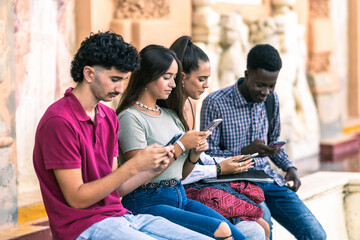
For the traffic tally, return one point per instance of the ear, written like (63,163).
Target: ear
(246,74)
(89,74)
(183,76)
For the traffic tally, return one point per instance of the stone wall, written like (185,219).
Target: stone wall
(228,36)
(44,42)
(8,166)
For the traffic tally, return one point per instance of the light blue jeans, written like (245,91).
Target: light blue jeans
(287,209)
(172,204)
(142,226)
(251,230)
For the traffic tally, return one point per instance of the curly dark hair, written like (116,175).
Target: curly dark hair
(264,56)
(105,49)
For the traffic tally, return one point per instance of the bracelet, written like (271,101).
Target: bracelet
(218,168)
(183,149)
(175,157)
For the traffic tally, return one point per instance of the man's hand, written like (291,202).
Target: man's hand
(153,157)
(259,146)
(291,175)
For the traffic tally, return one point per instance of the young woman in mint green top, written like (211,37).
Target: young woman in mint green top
(143,123)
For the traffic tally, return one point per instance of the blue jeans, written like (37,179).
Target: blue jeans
(142,226)
(288,210)
(172,204)
(251,229)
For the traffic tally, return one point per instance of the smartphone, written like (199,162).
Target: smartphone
(277,144)
(248,157)
(211,126)
(174,139)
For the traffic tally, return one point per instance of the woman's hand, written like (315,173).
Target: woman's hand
(231,166)
(195,139)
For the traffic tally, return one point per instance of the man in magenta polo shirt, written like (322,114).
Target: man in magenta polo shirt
(76,149)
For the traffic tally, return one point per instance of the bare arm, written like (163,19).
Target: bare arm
(82,195)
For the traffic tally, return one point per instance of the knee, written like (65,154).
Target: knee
(223,231)
(315,233)
(319,234)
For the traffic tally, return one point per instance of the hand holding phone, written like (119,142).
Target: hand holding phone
(211,126)
(174,139)
(277,144)
(248,157)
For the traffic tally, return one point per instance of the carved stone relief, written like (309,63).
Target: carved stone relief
(234,40)
(319,8)
(318,62)
(142,9)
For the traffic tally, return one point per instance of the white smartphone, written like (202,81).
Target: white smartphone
(248,157)
(211,126)
(277,144)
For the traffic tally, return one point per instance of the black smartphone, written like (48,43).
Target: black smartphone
(277,144)
(174,139)
(211,126)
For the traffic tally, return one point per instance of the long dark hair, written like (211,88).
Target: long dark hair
(188,53)
(155,60)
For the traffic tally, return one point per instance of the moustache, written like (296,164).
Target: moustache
(114,93)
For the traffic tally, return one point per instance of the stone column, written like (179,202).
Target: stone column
(324,86)
(206,34)
(8,174)
(354,59)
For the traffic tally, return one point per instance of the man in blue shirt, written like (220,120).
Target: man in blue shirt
(245,130)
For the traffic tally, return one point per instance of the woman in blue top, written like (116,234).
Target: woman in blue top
(143,123)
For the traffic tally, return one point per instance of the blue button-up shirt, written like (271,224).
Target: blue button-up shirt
(243,122)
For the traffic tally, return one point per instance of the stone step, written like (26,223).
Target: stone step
(32,230)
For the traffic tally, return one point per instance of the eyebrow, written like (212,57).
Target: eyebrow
(120,78)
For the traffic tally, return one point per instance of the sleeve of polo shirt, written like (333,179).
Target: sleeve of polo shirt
(281,159)
(132,134)
(60,144)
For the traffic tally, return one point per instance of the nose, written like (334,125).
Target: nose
(119,87)
(206,84)
(265,91)
(172,83)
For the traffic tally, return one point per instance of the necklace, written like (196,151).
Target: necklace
(157,109)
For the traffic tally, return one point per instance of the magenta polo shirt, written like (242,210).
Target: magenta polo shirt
(66,138)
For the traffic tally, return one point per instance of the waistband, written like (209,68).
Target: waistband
(163,183)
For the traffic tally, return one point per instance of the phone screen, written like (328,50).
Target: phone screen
(248,157)
(174,139)
(277,144)
(211,126)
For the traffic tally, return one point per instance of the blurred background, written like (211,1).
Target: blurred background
(318,86)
